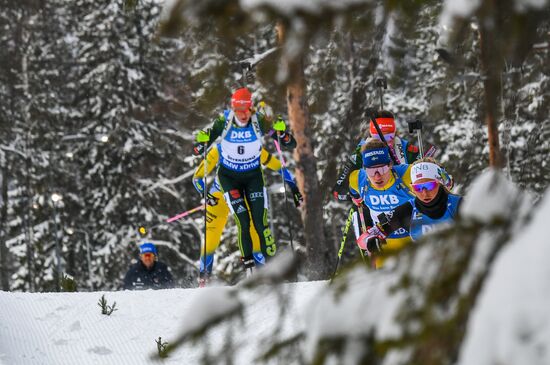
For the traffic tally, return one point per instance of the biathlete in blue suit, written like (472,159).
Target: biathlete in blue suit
(405,152)
(378,187)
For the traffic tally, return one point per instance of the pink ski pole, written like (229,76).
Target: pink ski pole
(184,214)
(278,148)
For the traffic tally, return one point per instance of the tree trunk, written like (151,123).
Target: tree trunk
(28,161)
(317,251)
(4,272)
(492,64)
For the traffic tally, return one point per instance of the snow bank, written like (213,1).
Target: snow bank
(366,305)
(68,328)
(511,323)
(491,195)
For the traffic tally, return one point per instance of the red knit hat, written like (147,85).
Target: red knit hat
(241,98)
(387,126)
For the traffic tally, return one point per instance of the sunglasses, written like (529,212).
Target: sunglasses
(388,137)
(428,186)
(148,254)
(371,171)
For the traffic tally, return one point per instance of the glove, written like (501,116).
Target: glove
(340,196)
(291,183)
(340,189)
(279,125)
(198,149)
(203,137)
(357,201)
(265,110)
(297,196)
(372,240)
(199,185)
(340,193)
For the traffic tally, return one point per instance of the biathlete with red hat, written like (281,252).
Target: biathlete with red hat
(217,210)
(239,171)
(433,207)
(405,152)
(378,187)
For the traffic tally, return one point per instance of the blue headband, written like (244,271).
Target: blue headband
(377,156)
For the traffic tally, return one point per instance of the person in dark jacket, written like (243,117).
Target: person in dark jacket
(148,273)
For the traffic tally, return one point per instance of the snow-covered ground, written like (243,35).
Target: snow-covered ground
(68,328)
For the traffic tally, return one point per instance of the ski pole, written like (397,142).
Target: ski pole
(283,164)
(420,146)
(382,85)
(342,242)
(143,230)
(381,135)
(364,229)
(246,76)
(184,214)
(204,195)
(248,66)
(416,125)
(205,192)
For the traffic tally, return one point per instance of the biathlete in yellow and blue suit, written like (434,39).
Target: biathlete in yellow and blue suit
(379,187)
(217,210)
(239,171)
(404,151)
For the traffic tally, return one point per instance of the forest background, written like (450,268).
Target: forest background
(99,103)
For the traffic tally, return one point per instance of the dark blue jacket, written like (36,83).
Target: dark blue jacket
(139,277)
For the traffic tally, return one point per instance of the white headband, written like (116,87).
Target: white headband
(426,170)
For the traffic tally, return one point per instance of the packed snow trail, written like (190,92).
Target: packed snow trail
(68,328)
